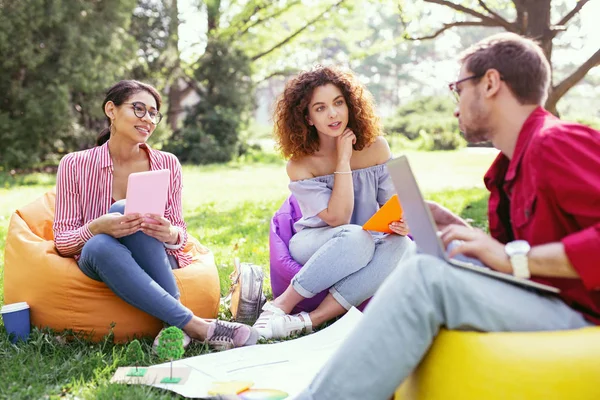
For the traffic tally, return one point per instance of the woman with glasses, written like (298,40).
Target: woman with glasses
(132,257)
(325,123)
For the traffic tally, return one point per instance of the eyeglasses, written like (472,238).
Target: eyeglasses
(454,86)
(140,110)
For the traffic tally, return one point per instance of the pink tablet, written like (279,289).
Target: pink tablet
(147,192)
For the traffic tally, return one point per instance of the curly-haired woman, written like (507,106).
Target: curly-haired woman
(326,126)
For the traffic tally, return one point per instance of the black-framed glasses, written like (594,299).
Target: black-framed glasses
(140,110)
(454,86)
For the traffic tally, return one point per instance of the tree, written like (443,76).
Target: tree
(58,57)
(210,131)
(135,356)
(532,18)
(239,35)
(170,347)
(154,26)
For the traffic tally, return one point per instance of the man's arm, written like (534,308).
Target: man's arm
(571,165)
(547,260)
(550,260)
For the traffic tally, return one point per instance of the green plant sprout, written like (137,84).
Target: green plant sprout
(135,356)
(170,347)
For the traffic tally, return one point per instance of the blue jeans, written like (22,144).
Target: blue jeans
(347,260)
(405,315)
(139,271)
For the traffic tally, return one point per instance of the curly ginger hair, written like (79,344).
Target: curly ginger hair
(296,138)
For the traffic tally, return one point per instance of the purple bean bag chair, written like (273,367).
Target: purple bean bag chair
(283,266)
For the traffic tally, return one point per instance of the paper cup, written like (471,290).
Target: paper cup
(16,321)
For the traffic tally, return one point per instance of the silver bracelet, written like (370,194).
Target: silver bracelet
(342,172)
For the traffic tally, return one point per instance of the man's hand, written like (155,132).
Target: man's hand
(161,230)
(444,217)
(477,244)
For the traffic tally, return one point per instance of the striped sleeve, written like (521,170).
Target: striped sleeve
(174,211)
(70,231)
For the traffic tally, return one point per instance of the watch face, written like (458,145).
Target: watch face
(517,247)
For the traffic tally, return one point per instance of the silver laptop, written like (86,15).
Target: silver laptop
(423,228)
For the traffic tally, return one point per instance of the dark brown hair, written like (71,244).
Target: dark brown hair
(520,61)
(295,137)
(118,94)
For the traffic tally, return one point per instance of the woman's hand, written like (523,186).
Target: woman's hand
(344,146)
(116,225)
(399,227)
(161,230)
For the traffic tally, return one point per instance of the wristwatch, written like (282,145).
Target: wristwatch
(517,252)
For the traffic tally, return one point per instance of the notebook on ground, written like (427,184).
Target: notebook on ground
(424,230)
(380,221)
(147,192)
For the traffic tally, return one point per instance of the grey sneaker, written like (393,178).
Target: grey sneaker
(224,335)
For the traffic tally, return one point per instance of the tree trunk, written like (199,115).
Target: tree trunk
(533,17)
(176,94)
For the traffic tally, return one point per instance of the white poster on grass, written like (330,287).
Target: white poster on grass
(286,366)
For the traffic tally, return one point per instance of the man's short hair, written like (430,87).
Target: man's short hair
(520,61)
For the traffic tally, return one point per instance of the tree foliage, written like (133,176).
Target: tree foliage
(240,35)
(170,344)
(58,56)
(211,129)
(134,354)
(428,123)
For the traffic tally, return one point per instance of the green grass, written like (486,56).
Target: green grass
(228,208)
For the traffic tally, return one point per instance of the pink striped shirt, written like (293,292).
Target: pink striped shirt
(84,193)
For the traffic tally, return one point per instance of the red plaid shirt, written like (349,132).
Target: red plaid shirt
(84,193)
(550,192)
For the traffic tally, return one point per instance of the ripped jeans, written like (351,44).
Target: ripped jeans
(347,260)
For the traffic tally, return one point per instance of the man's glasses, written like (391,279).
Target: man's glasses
(140,110)
(454,86)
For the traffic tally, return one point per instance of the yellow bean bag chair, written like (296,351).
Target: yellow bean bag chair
(508,366)
(62,297)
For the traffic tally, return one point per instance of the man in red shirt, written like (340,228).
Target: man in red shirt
(544,218)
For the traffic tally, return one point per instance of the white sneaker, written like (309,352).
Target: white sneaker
(287,325)
(274,323)
(263,324)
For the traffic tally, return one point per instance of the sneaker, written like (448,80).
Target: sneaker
(186,340)
(224,335)
(274,323)
(264,323)
(287,325)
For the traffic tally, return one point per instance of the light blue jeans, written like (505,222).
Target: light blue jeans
(139,271)
(400,323)
(347,260)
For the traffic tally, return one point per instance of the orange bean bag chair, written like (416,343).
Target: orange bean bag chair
(62,297)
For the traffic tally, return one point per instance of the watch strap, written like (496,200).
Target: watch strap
(520,266)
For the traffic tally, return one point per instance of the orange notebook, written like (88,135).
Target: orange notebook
(391,211)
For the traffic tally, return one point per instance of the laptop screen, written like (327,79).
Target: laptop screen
(416,212)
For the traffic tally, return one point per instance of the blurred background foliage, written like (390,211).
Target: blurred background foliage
(220,64)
